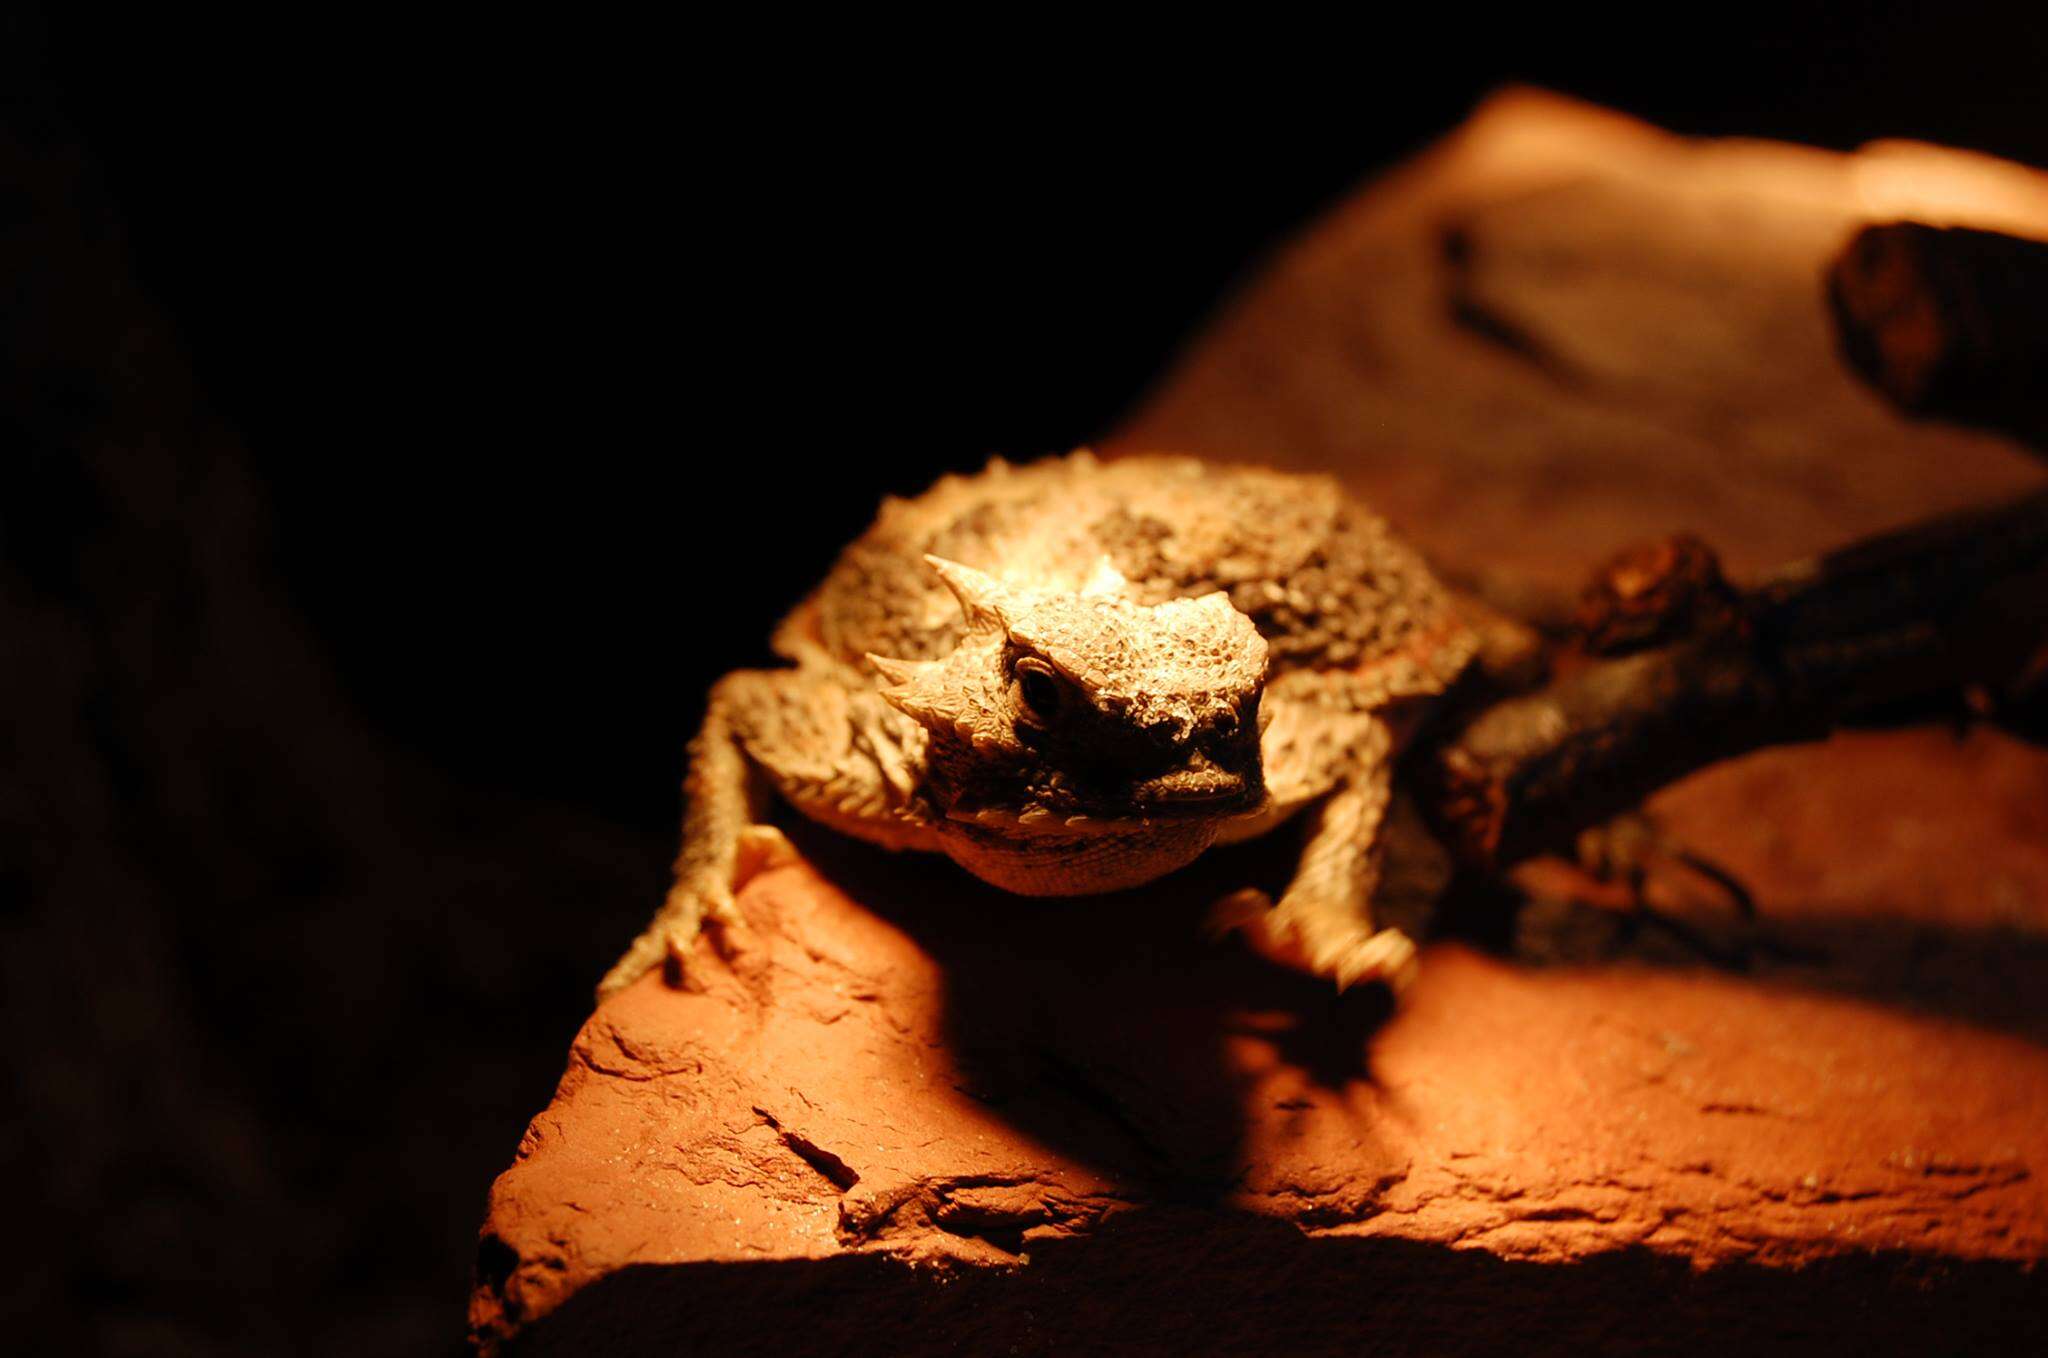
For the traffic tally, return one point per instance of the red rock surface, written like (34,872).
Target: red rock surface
(909,1114)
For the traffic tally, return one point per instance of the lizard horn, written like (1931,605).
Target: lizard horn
(979,595)
(901,672)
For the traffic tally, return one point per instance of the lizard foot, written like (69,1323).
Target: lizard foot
(693,902)
(672,937)
(1349,957)
(1341,946)
(1388,956)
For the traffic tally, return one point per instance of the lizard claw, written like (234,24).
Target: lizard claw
(681,938)
(696,901)
(672,937)
(1388,956)
(712,900)
(1282,934)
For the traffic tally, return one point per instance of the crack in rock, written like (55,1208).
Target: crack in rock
(836,1171)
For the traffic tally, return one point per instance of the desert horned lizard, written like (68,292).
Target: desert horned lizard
(1075,676)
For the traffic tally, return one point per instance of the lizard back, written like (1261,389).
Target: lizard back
(1326,582)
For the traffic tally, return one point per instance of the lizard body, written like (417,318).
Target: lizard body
(1074,676)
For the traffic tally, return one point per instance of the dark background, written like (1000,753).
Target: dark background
(546,362)
(554,343)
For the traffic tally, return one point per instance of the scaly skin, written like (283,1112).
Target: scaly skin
(1073,677)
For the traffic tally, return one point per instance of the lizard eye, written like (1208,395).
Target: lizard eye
(1039,689)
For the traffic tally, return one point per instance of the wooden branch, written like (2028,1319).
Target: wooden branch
(1928,609)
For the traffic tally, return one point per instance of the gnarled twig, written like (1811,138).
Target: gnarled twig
(1930,608)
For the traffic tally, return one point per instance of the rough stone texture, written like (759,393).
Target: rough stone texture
(910,1114)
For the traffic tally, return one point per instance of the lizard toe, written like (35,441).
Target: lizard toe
(761,847)
(1388,956)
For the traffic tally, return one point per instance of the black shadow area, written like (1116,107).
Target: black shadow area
(1168,1280)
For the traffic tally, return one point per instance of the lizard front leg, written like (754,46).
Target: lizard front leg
(1324,920)
(830,748)
(724,845)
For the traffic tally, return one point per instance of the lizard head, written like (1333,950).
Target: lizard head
(1084,713)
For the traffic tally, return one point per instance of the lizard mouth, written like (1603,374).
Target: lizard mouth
(1220,805)
(1199,789)
(1196,790)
